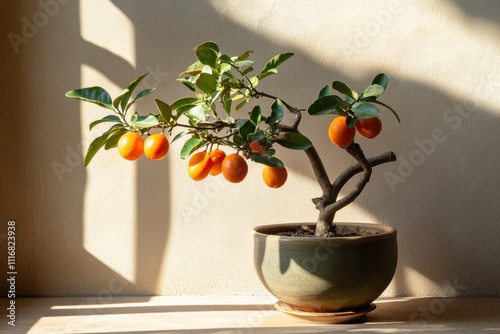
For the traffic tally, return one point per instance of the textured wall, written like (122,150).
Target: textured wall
(146,228)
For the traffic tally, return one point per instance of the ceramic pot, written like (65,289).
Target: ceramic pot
(326,274)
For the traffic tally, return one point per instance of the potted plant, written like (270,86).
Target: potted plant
(322,271)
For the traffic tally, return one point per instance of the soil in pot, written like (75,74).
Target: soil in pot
(340,231)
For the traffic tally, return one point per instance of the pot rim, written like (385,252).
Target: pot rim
(385,231)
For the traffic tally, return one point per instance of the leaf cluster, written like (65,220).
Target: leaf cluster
(220,86)
(354,105)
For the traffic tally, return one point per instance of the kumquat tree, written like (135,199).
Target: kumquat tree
(222,136)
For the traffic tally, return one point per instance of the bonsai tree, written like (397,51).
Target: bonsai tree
(214,116)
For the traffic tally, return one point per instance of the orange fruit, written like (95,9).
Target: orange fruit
(256,147)
(369,127)
(217,157)
(199,166)
(130,145)
(274,177)
(156,146)
(234,168)
(339,133)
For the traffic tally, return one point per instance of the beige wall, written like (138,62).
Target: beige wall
(146,228)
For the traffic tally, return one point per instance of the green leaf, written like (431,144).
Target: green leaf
(180,135)
(142,94)
(94,147)
(276,112)
(164,109)
(325,91)
(392,110)
(244,56)
(112,141)
(109,118)
(207,83)
(189,85)
(266,160)
(182,110)
(267,73)
(243,63)
(238,140)
(224,68)
(247,70)
(247,129)
(183,102)
(197,113)
(226,59)
(255,116)
(210,45)
(189,146)
(382,80)
(324,105)
(350,121)
(374,90)
(295,141)
(272,64)
(227,103)
(240,105)
(342,107)
(144,121)
(207,56)
(117,100)
(131,87)
(257,136)
(344,89)
(365,110)
(194,69)
(254,81)
(139,96)
(349,100)
(96,95)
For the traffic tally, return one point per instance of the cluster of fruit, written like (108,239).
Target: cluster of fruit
(220,87)
(233,167)
(342,135)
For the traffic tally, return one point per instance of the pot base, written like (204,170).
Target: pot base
(326,317)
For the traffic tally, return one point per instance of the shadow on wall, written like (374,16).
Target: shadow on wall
(432,203)
(41,260)
(446,146)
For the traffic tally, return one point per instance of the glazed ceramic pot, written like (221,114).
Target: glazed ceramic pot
(342,274)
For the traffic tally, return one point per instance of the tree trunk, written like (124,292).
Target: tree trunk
(327,204)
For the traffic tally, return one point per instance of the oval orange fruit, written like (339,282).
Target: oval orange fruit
(256,147)
(156,146)
(340,134)
(234,168)
(217,157)
(274,177)
(130,145)
(199,166)
(369,127)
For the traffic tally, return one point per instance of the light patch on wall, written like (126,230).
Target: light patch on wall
(105,25)
(449,37)
(419,284)
(109,197)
